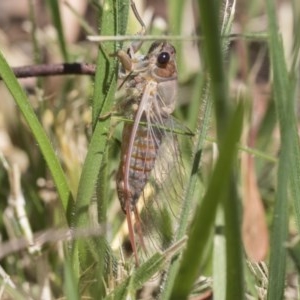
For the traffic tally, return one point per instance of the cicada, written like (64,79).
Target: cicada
(149,149)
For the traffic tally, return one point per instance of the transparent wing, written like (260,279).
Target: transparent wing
(161,199)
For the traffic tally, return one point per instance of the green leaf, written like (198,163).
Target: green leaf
(40,136)
(217,87)
(70,287)
(293,248)
(202,224)
(94,169)
(128,288)
(56,17)
(288,166)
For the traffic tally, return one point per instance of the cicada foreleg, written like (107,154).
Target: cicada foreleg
(125,56)
(132,227)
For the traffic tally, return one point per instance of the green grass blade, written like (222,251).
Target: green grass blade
(213,53)
(233,266)
(128,288)
(288,167)
(176,9)
(93,172)
(234,251)
(199,144)
(35,43)
(294,252)
(39,135)
(56,18)
(70,288)
(113,20)
(189,194)
(294,77)
(205,215)
(279,233)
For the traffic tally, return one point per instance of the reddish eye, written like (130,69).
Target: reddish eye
(163,58)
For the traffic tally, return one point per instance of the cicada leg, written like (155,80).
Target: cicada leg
(138,227)
(125,56)
(131,231)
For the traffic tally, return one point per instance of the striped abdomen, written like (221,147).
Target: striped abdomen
(142,160)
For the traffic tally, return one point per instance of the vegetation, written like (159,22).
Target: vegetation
(237,230)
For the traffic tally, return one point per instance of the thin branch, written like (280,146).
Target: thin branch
(231,37)
(54,70)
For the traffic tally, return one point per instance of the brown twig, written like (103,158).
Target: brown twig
(54,70)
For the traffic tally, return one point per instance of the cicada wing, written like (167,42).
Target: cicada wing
(162,197)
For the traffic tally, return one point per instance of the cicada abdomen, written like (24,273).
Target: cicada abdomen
(141,162)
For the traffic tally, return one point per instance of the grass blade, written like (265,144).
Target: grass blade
(71,291)
(213,53)
(202,132)
(56,17)
(288,167)
(40,137)
(205,215)
(294,252)
(128,288)
(189,194)
(176,9)
(93,172)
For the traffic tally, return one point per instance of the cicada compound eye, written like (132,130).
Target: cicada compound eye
(163,58)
